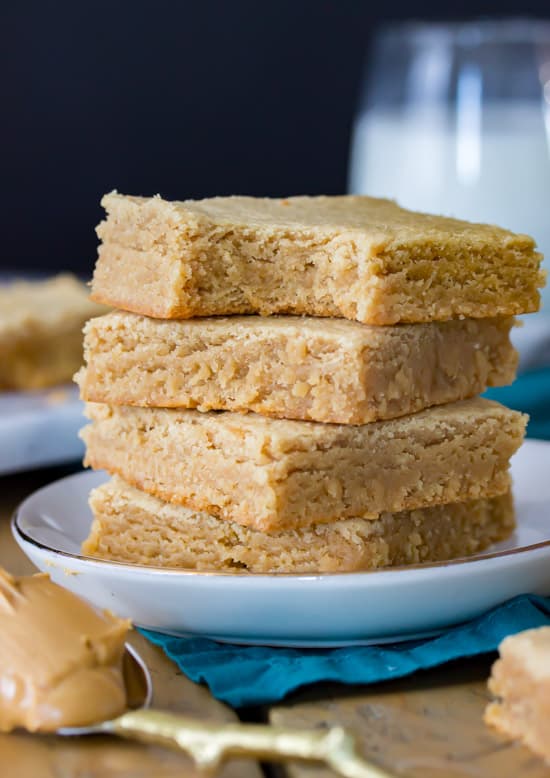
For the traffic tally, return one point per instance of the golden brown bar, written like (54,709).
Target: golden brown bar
(520,680)
(354,257)
(328,370)
(41,331)
(131,526)
(273,474)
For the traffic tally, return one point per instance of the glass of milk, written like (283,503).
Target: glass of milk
(455,119)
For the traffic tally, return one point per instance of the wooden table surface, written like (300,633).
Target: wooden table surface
(427,726)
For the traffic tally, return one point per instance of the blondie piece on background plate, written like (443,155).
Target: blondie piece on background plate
(520,680)
(328,370)
(41,331)
(272,474)
(131,526)
(354,257)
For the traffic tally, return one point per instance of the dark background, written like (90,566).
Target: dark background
(188,99)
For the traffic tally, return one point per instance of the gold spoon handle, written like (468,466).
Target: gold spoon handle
(211,744)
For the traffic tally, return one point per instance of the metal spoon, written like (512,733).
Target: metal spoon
(209,745)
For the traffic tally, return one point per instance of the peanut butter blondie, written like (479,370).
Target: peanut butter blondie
(520,680)
(273,474)
(41,331)
(327,370)
(354,257)
(131,526)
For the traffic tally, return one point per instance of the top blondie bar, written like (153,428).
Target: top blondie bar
(353,257)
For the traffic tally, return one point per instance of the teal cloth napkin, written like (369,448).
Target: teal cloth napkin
(258,675)
(529,393)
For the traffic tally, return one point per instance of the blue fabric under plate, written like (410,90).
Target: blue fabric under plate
(253,675)
(529,393)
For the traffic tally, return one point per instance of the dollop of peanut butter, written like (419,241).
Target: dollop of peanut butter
(60,658)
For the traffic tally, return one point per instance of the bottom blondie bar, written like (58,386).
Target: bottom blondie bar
(131,526)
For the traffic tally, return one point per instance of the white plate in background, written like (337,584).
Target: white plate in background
(296,610)
(40,428)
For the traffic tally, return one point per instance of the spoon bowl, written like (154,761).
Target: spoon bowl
(139,691)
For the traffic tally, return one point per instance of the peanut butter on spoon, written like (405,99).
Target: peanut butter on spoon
(61,670)
(60,658)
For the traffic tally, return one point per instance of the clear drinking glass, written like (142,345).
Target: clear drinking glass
(455,119)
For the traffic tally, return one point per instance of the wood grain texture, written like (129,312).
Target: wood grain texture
(38,756)
(426,726)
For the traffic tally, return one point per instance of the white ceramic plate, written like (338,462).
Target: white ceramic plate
(39,429)
(296,610)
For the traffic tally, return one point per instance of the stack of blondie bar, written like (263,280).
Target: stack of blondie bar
(291,385)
